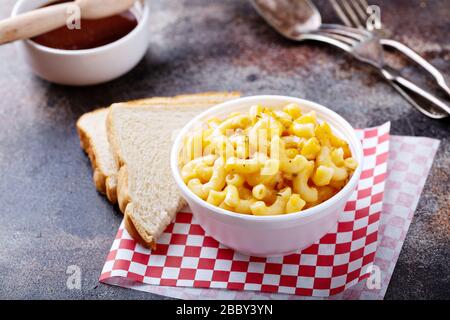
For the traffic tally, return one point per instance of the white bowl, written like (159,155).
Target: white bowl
(269,235)
(89,66)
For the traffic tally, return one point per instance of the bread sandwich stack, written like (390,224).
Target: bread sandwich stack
(129,147)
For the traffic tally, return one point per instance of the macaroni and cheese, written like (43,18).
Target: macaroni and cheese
(266,162)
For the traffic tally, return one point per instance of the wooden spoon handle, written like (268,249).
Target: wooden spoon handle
(33,23)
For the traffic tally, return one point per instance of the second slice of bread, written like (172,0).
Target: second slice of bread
(91,128)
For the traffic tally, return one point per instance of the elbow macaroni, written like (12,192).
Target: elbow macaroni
(266,162)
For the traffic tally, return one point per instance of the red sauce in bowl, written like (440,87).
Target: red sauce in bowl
(93,33)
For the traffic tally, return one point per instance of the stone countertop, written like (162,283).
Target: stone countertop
(51,215)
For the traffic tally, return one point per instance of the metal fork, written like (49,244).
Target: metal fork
(300,20)
(366,47)
(354,13)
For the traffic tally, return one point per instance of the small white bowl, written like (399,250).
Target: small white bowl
(89,66)
(267,236)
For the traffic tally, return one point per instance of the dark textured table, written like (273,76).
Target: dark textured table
(52,217)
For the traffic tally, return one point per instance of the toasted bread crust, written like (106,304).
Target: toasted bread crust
(131,229)
(123,196)
(187,98)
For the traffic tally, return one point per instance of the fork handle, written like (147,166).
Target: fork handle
(415,94)
(414,56)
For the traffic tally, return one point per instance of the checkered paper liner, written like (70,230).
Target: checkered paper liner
(187,257)
(410,159)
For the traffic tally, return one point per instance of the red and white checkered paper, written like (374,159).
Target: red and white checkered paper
(410,159)
(187,257)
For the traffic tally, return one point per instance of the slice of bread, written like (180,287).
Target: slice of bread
(93,139)
(92,131)
(141,140)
